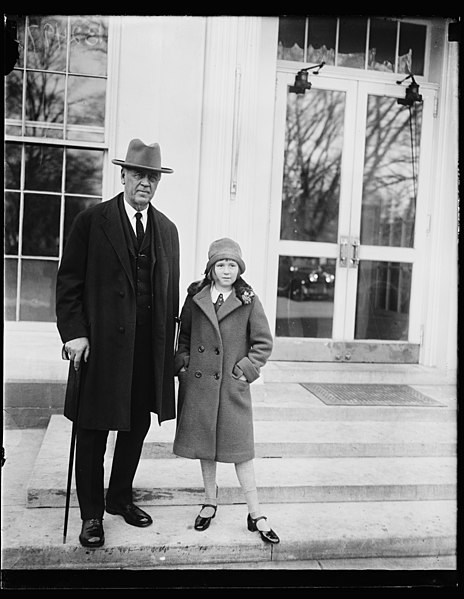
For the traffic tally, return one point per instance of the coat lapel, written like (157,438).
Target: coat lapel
(231,304)
(112,226)
(158,250)
(203,300)
(157,239)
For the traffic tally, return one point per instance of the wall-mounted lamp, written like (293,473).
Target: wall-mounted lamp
(412,92)
(301,79)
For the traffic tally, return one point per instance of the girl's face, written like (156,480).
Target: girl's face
(225,272)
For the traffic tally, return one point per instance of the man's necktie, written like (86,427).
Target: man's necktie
(219,302)
(139,227)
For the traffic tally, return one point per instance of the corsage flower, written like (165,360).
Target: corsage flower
(247,296)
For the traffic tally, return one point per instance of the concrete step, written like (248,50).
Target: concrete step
(343,461)
(282,438)
(286,477)
(334,372)
(294,480)
(384,534)
(317,531)
(29,403)
(334,438)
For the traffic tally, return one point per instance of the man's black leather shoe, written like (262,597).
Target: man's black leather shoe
(132,514)
(92,534)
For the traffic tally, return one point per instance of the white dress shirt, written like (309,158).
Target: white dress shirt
(131,212)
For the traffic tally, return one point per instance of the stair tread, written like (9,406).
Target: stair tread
(290,432)
(349,475)
(277,371)
(321,531)
(334,431)
(287,471)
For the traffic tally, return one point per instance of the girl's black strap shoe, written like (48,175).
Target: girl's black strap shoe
(202,523)
(267,535)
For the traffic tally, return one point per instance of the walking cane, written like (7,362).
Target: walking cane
(76,390)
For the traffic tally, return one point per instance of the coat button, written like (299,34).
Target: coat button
(121,329)
(217,351)
(198,374)
(121,293)
(217,376)
(201,349)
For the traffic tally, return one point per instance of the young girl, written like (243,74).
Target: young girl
(224,340)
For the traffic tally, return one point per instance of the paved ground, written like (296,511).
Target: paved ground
(22,449)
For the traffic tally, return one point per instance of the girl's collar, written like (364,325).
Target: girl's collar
(215,292)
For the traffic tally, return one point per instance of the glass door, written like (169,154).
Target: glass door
(347,217)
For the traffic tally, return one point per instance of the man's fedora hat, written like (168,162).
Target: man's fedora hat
(141,156)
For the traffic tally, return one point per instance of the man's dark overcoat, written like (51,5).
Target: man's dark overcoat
(215,416)
(96,299)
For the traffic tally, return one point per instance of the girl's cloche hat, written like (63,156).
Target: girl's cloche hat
(223,249)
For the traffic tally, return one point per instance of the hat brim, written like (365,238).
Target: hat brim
(162,169)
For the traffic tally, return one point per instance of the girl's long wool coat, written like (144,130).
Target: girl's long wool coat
(215,419)
(96,299)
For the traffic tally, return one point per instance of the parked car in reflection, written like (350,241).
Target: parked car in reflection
(301,284)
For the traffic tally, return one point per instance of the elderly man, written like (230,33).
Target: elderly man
(117,301)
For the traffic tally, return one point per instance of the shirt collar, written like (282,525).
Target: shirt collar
(131,212)
(215,293)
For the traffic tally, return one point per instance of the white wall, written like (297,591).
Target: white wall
(203,87)
(240,63)
(158,98)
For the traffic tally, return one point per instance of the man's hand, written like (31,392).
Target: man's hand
(77,349)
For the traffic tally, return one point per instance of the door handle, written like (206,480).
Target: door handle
(343,252)
(354,260)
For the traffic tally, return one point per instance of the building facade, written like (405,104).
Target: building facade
(327,147)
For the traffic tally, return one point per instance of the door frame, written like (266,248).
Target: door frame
(342,346)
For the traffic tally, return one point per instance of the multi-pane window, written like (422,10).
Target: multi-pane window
(371,43)
(55,142)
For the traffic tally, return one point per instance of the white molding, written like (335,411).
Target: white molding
(217,121)
(111,182)
(441,326)
(238,106)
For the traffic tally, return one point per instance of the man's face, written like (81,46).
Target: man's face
(139,186)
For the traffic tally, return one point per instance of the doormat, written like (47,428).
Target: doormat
(369,395)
